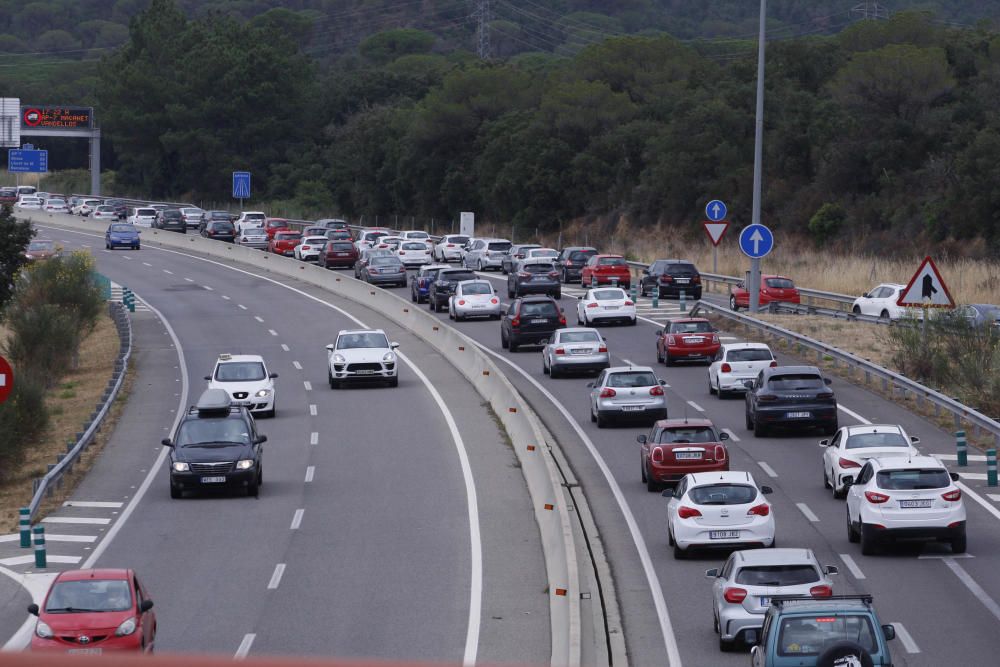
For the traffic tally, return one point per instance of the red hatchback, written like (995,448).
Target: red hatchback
(94,612)
(274,225)
(772,288)
(605,270)
(676,447)
(337,254)
(688,339)
(284,241)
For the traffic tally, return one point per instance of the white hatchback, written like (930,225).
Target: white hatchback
(474,298)
(308,250)
(245,378)
(143,217)
(29,203)
(414,253)
(736,363)
(606,304)
(718,510)
(881,302)
(55,206)
(851,446)
(449,248)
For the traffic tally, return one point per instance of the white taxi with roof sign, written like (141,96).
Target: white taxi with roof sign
(247,381)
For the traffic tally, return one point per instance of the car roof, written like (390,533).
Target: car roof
(702,478)
(674,261)
(874,428)
(746,346)
(577,330)
(255,213)
(899,462)
(776,556)
(626,369)
(788,370)
(608,255)
(538,298)
(96,573)
(774,275)
(691,421)
(896,285)
(343,332)
(425,267)
(574,248)
(240,357)
(494,240)
(810,605)
(475,281)
(684,320)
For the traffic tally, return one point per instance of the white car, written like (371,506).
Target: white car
(414,253)
(250,220)
(718,510)
(246,380)
(851,446)
(362,354)
(308,250)
(881,302)
(736,363)
(534,253)
(605,304)
(415,235)
(29,203)
(55,206)
(387,242)
(104,213)
(449,248)
(905,497)
(367,237)
(143,217)
(474,298)
(43,196)
(86,206)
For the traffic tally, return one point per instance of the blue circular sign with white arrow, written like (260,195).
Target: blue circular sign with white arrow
(756,241)
(716,210)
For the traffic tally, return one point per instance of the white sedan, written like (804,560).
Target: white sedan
(308,250)
(474,298)
(29,203)
(851,446)
(55,206)
(718,510)
(881,302)
(605,304)
(449,248)
(734,364)
(414,253)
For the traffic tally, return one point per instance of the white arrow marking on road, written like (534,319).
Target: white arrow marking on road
(756,237)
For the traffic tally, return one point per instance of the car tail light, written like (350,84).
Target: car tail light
(608,392)
(720,453)
(759,510)
(726,368)
(494,301)
(767,398)
(591,305)
(523,274)
(629,303)
(560,350)
(735,595)
(684,512)
(450,245)
(696,280)
(847,463)
(602,349)
(821,591)
(516,322)
(461,302)
(876,498)
(952,496)
(774,364)
(553,274)
(657,455)
(671,340)
(715,339)
(666,279)
(656,391)
(562,320)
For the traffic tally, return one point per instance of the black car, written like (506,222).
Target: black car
(571,261)
(171,218)
(439,291)
(420,283)
(213,216)
(790,397)
(216,446)
(534,277)
(530,320)
(120,207)
(671,277)
(220,230)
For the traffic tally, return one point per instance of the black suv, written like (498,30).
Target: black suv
(439,291)
(571,261)
(791,397)
(216,446)
(530,320)
(220,230)
(671,277)
(534,277)
(171,218)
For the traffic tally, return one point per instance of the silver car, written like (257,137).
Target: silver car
(474,298)
(743,588)
(486,254)
(627,392)
(193,216)
(575,350)
(252,237)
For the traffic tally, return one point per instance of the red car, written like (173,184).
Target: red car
(337,254)
(283,242)
(603,269)
(676,447)
(115,614)
(772,288)
(275,225)
(687,339)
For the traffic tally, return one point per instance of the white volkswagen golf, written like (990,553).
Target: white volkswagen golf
(246,380)
(734,364)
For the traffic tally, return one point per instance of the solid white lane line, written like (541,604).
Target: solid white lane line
(168,272)
(297,365)
(978,458)
(285,347)
(259,318)
(905,638)
(766,468)
(852,566)
(807,512)
(244,647)
(279,571)
(979,499)
(973,476)
(732,436)
(973,587)
(853,414)
(297,519)
(242,307)
(314,438)
(225,297)
(70,538)
(308,385)
(210,289)
(90,521)
(146,264)
(310,473)
(87,503)
(696,406)
(627,362)
(272,332)
(312,409)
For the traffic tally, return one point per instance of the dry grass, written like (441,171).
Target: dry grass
(70,403)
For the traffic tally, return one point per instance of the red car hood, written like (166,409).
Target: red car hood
(97,623)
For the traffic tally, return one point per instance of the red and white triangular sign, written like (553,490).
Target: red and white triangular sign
(715,231)
(926,289)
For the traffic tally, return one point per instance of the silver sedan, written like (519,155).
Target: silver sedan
(578,349)
(627,392)
(474,298)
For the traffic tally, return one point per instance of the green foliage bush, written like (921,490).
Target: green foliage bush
(23,418)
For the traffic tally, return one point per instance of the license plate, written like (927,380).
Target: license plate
(86,651)
(688,455)
(241,403)
(579,351)
(367,371)
(214,480)
(632,408)
(538,321)
(765,602)
(682,281)
(341,254)
(610,307)
(477,306)
(724,534)
(799,415)
(696,340)
(914,503)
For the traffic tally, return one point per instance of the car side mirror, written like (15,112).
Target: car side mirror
(590,385)
(831,569)
(208,377)
(580,297)
(824,443)
(167,442)
(33,609)
(667,493)
(261,439)
(273,375)
(889,630)
(641,439)
(394,345)
(748,384)
(145,606)
(848,481)
(865,296)
(712,574)
(766,490)
(663,383)
(330,347)
(954,476)
(827,381)
(723,436)
(914,439)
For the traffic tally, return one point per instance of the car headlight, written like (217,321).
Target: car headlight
(43,630)
(389,357)
(245,464)
(180,466)
(126,628)
(339,359)
(262,393)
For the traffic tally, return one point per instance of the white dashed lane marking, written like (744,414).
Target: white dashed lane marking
(284,347)
(905,638)
(766,468)
(272,332)
(696,406)
(85,503)
(146,264)
(168,272)
(259,318)
(242,307)
(852,566)
(314,438)
(312,410)
(732,436)
(189,280)
(90,521)
(210,289)
(244,647)
(807,512)
(279,571)
(310,473)
(225,297)
(297,365)
(297,519)
(308,385)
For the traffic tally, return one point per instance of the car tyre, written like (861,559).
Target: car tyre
(554,372)
(852,533)
(884,314)
(602,421)
(759,430)
(175,492)
(856,310)
(633,321)
(868,546)
(512,345)
(711,389)
(958,544)
(651,484)
(732,303)
(394,381)
(748,420)
(253,489)
(504,343)
(726,645)
(545,367)
(592,417)
(679,554)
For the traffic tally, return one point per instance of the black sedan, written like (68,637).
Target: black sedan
(220,230)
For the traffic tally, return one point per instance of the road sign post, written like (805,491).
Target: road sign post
(715,231)
(241,186)
(756,241)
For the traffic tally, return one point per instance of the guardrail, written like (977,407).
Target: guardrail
(778,307)
(53,478)
(891,381)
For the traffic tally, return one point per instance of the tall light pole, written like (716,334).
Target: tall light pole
(758,158)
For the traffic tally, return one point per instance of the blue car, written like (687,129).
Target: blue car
(121,235)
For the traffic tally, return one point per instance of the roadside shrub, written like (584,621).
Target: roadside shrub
(43,338)
(23,418)
(827,222)
(69,282)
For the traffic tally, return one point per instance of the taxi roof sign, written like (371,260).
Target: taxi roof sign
(926,289)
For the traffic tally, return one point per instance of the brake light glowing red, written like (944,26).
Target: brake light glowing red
(560,350)
(666,279)
(774,364)
(608,392)
(847,463)
(562,320)
(516,322)
(656,391)
(591,305)
(461,302)
(726,368)
(450,245)
(876,498)
(685,512)
(629,303)
(735,595)
(603,348)
(821,591)
(952,496)
(759,510)
(494,300)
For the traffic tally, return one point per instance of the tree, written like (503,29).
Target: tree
(384,47)
(14,238)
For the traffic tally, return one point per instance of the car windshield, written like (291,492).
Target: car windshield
(863,440)
(190,211)
(122,228)
(89,595)
(211,431)
(690,327)
(780,283)
(537,268)
(687,434)
(795,381)
(631,379)
(240,371)
(253,216)
(501,246)
(913,479)
(749,355)
(539,309)
(611,261)
(777,575)
(371,236)
(286,236)
(608,294)
(362,340)
(722,494)
(414,246)
(171,214)
(477,288)
(579,337)
(38,246)
(809,635)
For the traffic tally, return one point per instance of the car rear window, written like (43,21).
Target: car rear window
(286,236)
(383,261)
(414,246)
(631,379)
(680,269)
(342,246)
(227,226)
(780,283)
(913,479)
(579,337)
(539,309)
(609,294)
(543,253)
(611,261)
(145,211)
(581,255)
(809,635)
(477,288)
(749,355)
(863,440)
(499,246)
(723,494)
(796,381)
(457,275)
(777,575)
(686,434)
(690,327)
(537,268)
(460,240)
(338,234)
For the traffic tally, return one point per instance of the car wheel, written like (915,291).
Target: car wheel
(679,554)
(667,361)
(394,381)
(633,321)
(651,483)
(602,421)
(592,417)
(856,310)
(711,389)
(659,355)
(749,422)
(270,413)
(759,430)
(565,277)
(413,296)
(642,466)
(545,366)
(732,303)
(253,489)
(504,343)
(868,547)
(512,345)
(175,492)
(884,314)
(852,534)
(726,645)
(554,372)
(826,480)
(330,380)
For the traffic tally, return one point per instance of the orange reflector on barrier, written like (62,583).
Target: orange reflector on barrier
(560,591)
(461,348)
(511,409)
(531,448)
(486,372)
(549,506)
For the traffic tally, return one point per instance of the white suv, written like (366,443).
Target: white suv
(362,354)
(246,380)
(904,497)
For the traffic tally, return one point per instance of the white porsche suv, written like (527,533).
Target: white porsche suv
(362,355)
(247,381)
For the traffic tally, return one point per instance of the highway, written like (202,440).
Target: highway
(384,538)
